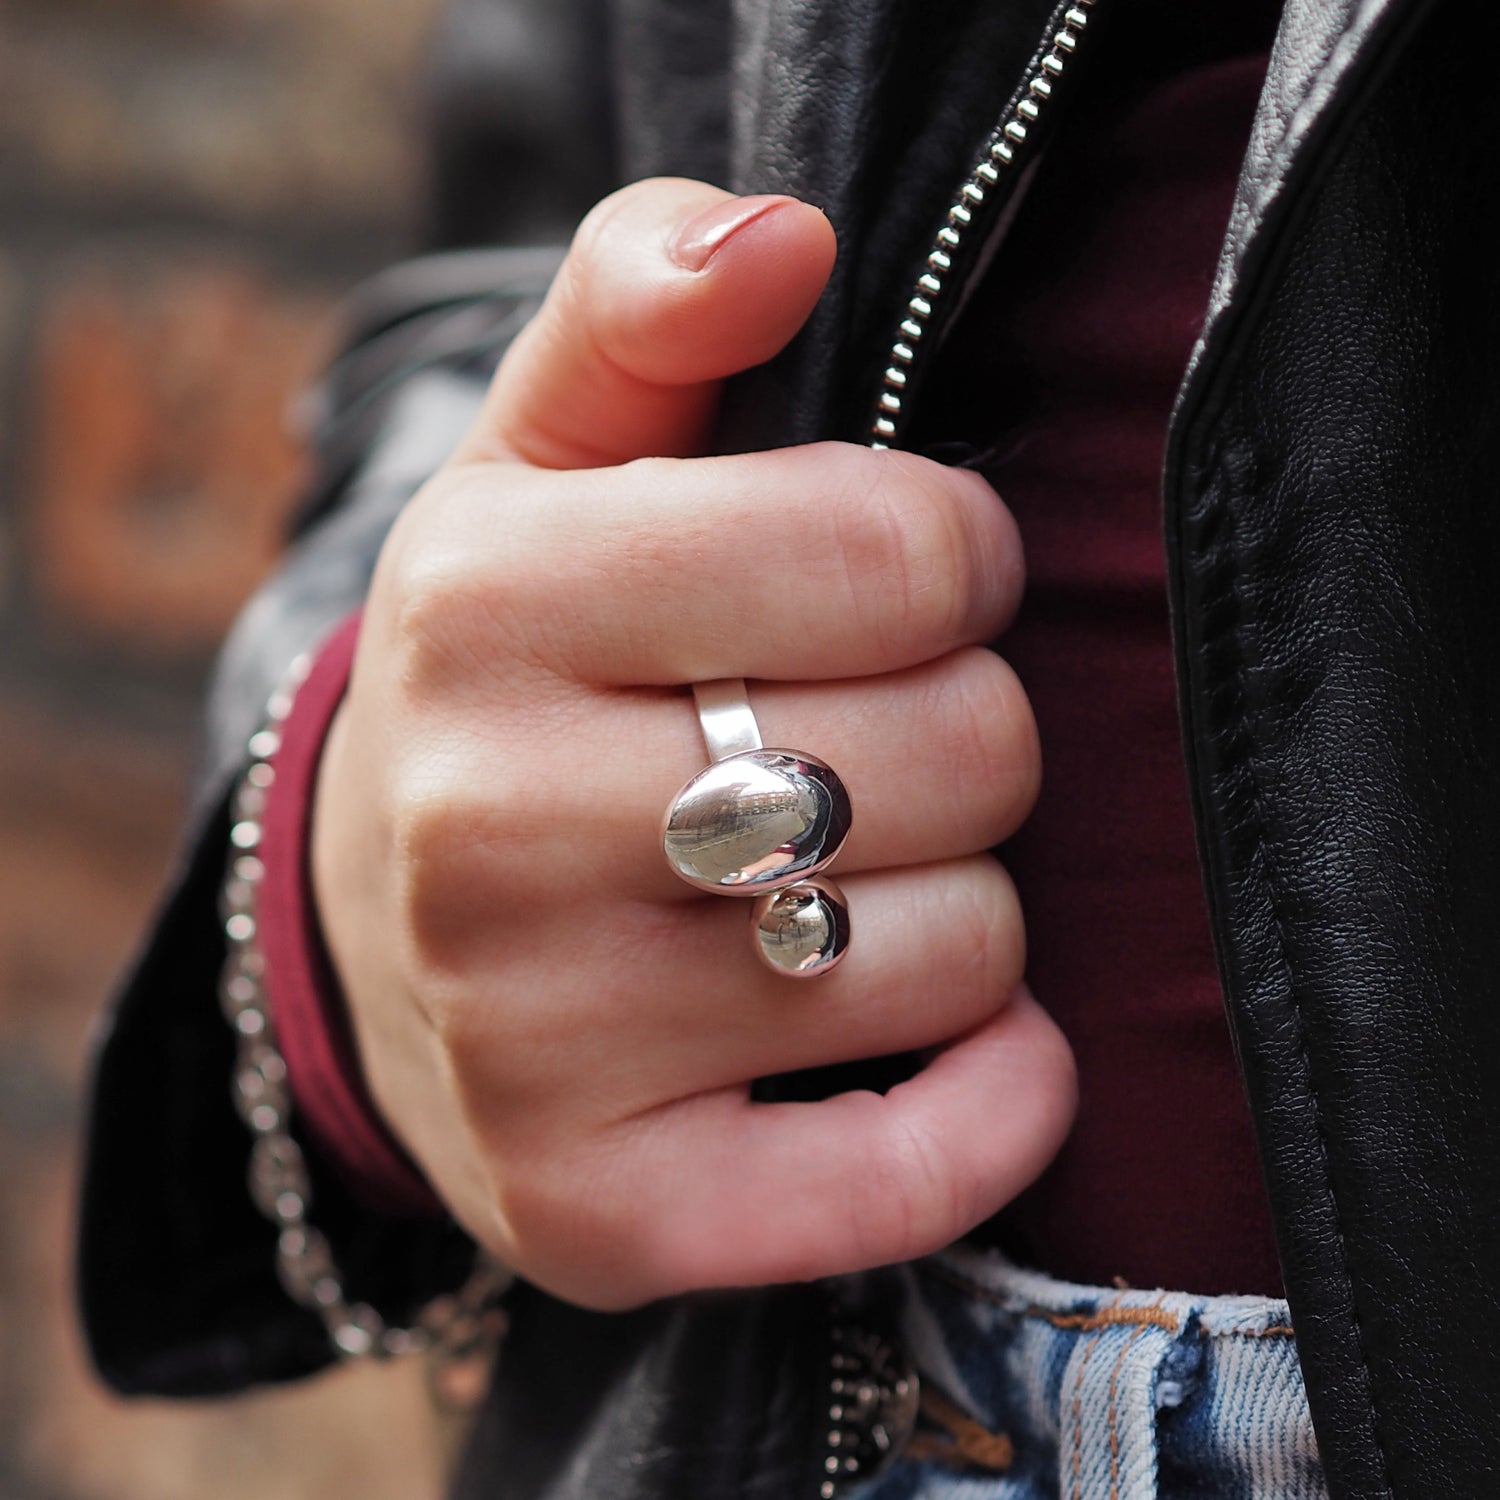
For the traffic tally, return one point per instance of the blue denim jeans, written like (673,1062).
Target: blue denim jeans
(1035,1388)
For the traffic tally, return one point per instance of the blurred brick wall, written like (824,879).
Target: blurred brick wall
(186,186)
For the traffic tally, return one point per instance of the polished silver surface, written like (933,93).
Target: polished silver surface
(802,931)
(756,821)
(724,712)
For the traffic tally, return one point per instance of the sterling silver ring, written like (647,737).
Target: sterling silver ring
(765,824)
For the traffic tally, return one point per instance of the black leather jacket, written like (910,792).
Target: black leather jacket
(1333,528)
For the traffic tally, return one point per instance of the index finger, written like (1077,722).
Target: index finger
(797,565)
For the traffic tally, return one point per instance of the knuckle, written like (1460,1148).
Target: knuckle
(527,1189)
(1057,1068)
(984,936)
(565,1210)
(647,199)
(426,594)
(460,639)
(903,540)
(436,629)
(913,1200)
(656,529)
(449,608)
(940,1190)
(474,837)
(990,741)
(615,291)
(437,876)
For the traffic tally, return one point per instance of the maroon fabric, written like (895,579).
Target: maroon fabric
(306,1007)
(1064,371)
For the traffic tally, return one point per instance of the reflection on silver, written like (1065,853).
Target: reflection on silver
(756,821)
(763,823)
(802,931)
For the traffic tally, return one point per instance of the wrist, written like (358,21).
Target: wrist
(279,1181)
(325,1076)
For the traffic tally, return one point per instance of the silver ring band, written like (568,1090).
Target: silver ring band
(727,720)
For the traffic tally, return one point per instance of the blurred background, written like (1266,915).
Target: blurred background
(186,189)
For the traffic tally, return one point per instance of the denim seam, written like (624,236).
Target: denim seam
(1083,1365)
(1114,1414)
(1108,1317)
(1277,1332)
(1112,1316)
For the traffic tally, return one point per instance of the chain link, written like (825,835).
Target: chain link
(459,1331)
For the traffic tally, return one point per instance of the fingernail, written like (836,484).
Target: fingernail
(696,242)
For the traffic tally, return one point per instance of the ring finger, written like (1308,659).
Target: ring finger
(937,951)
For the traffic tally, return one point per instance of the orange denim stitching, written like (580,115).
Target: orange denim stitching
(1111,1316)
(1114,1424)
(1088,1354)
(1087,1322)
(1083,1365)
(922,1447)
(973,1444)
(1277,1332)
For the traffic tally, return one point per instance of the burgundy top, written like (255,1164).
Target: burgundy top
(1062,374)
(1060,377)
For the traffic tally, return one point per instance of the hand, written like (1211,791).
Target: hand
(561,1032)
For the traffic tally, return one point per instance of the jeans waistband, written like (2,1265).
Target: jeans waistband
(1036,1388)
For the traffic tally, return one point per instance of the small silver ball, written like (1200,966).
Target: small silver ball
(803,930)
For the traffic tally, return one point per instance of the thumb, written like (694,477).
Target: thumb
(669,286)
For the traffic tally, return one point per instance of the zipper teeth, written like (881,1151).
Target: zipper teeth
(852,1448)
(1004,148)
(875,1394)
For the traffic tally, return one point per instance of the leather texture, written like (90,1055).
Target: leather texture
(522,128)
(873,110)
(1333,540)
(711,1398)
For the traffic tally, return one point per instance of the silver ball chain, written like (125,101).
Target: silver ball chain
(460,1327)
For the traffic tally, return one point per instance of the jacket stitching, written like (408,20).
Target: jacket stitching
(1280,1331)
(1238,718)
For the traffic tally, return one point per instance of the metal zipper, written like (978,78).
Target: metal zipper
(873,1397)
(873,1390)
(968,220)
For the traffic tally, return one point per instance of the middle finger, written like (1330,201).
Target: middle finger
(940,761)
